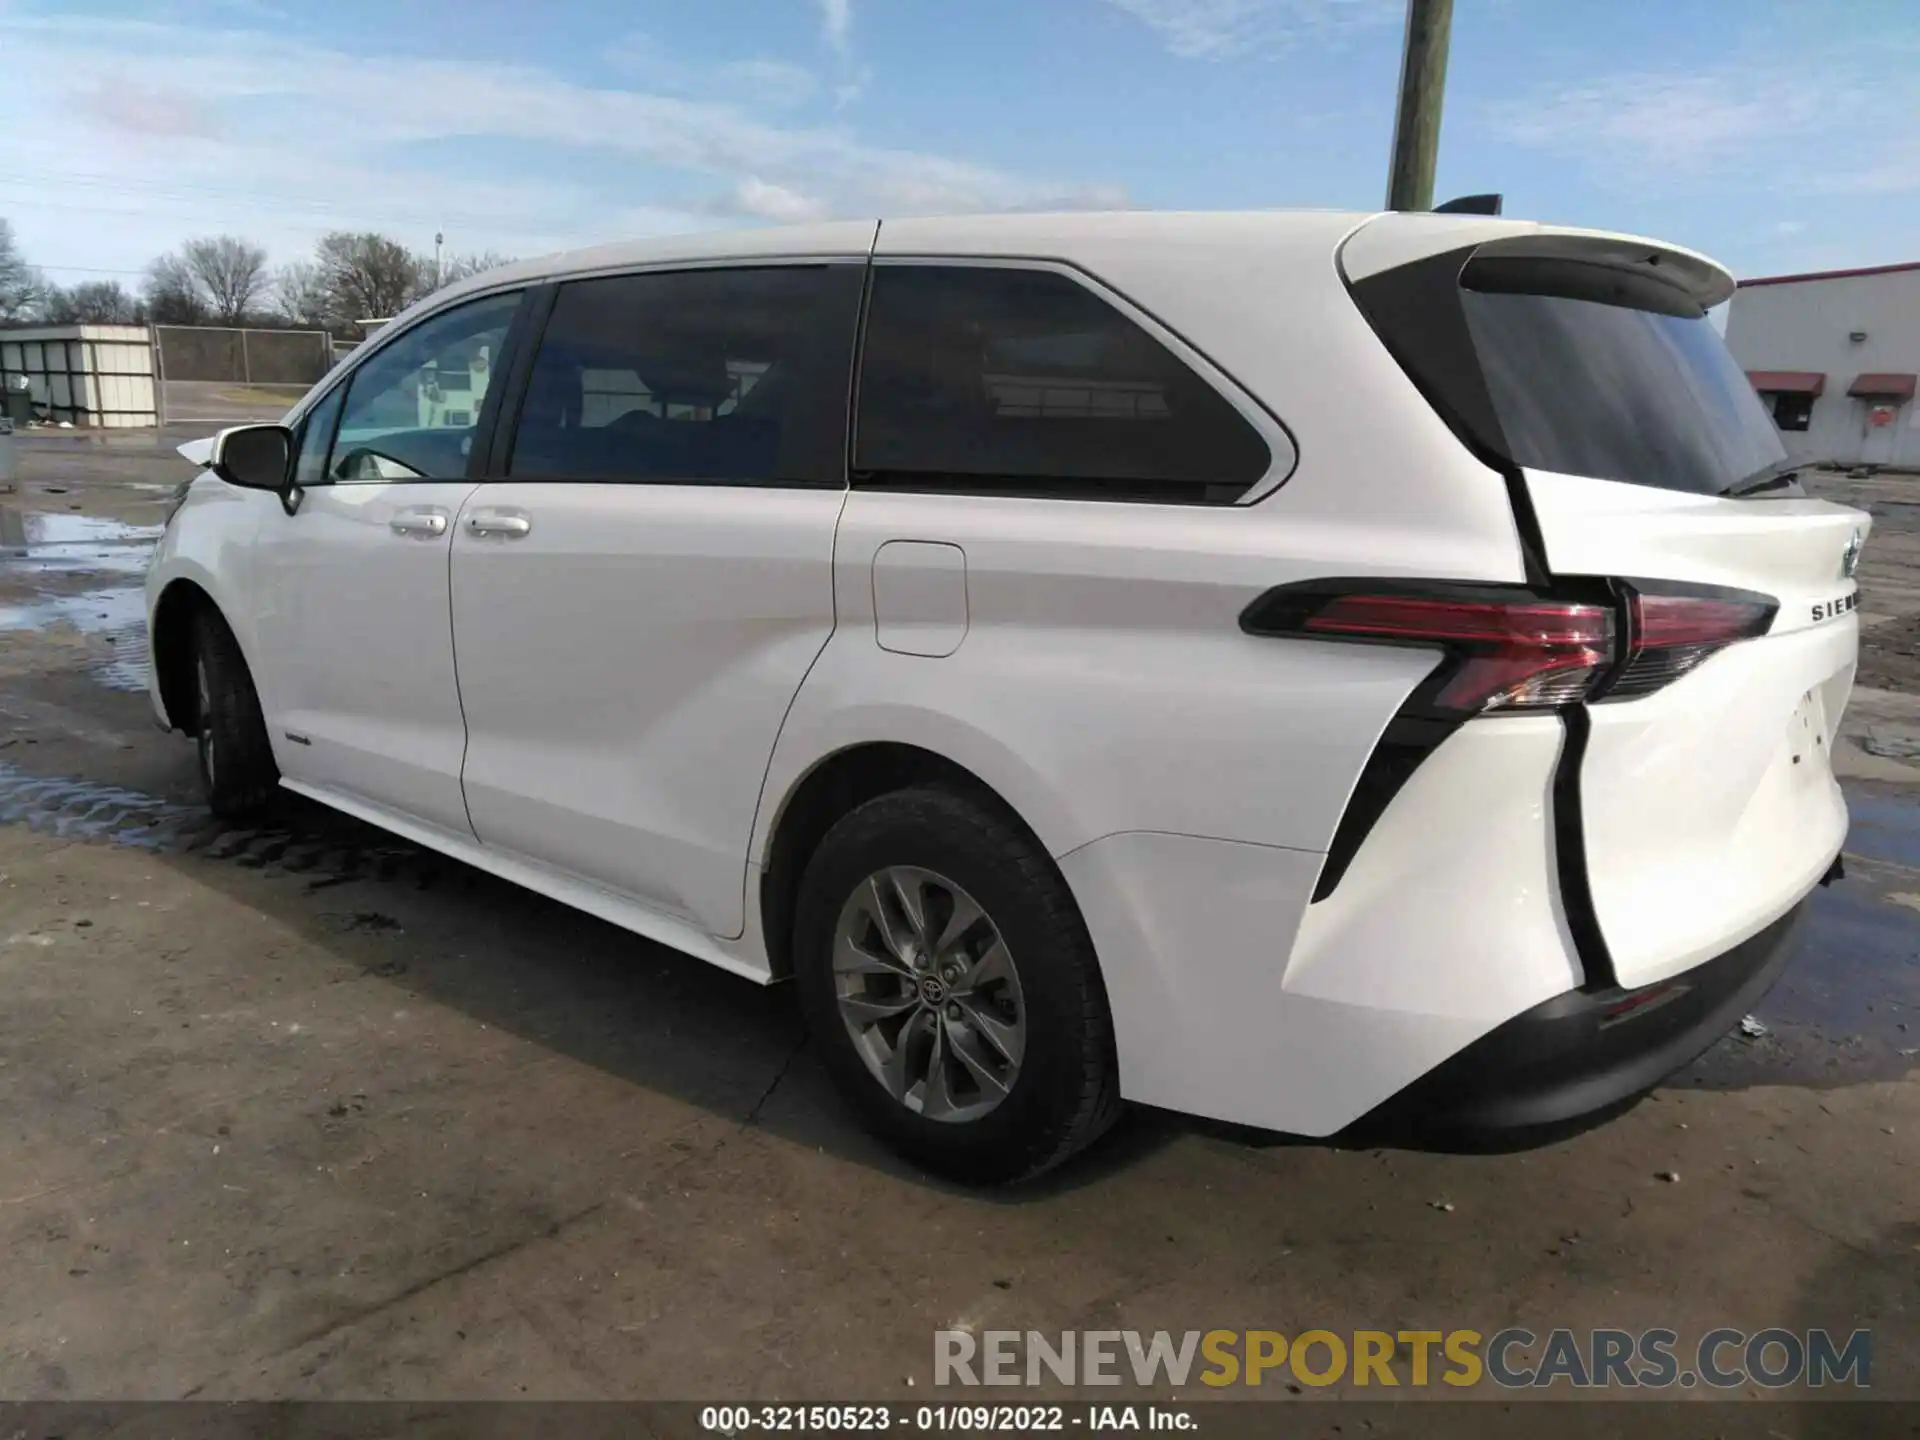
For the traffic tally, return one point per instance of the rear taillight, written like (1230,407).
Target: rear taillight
(1514,654)
(1516,650)
(1670,633)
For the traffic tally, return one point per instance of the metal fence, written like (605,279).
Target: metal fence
(216,373)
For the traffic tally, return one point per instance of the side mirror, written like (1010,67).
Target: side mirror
(254,457)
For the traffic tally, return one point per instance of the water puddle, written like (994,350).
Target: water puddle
(49,543)
(1847,1010)
(119,615)
(95,612)
(81,545)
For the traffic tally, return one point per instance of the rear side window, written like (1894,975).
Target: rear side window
(987,379)
(726,376)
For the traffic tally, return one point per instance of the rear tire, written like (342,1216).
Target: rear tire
(237,770)
(980,1061)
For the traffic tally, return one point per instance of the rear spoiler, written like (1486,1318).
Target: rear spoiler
(1398,238)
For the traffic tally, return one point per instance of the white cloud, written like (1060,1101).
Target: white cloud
(253,133)
(754,196)
(836,21)
(1788,124)
(1219,29)
(1679,122)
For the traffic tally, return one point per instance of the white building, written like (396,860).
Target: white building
(86,375)
(1835,354)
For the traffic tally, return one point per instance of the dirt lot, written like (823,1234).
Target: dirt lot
(306,1112)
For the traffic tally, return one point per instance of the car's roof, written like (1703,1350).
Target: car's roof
(1390,238)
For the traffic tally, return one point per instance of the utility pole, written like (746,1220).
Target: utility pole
(438,240)
(1416,121)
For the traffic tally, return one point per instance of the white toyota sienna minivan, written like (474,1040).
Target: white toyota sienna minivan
(1294,668)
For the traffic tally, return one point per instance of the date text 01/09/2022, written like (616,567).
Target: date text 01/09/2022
(936,1419)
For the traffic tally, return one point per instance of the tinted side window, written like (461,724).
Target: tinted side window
(1026,382)
(411,409)
(728,376)
(316,439)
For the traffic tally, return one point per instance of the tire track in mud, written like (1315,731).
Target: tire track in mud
(308,841)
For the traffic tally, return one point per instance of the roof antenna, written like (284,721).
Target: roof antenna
(1470,205)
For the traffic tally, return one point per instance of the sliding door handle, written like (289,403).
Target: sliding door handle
(492,522)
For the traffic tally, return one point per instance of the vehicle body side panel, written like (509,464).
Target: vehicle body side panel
(625,669)
(1709,807)
(210,542)
(358,652)
(1104,683)
(1228,1006)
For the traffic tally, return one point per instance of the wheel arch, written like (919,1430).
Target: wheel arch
(170,639)
(832,787)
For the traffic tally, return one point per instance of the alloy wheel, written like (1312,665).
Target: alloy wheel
(929,994)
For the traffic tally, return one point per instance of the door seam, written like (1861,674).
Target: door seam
(453,643)
(747,865)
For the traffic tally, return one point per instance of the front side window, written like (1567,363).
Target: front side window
(990,379)
(721,376)
(412,409)
(316,439)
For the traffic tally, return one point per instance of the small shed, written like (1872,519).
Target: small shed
(96,376)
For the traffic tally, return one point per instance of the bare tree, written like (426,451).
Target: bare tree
(458,267)
(366,276)
(231,274)
(94,302)
(173,294)
(21,285)
(300,295)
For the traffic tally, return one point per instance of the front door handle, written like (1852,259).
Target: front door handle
(419,522)
(499,522)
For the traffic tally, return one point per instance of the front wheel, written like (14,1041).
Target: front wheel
(237,770)
(949,978)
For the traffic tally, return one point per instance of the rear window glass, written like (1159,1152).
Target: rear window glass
(993,379)
(1591,386)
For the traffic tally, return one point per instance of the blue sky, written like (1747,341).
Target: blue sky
(1776,136)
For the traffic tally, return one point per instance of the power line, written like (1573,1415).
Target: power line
(89,270)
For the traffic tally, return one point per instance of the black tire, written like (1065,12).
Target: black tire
(1065,1092)
(237,770)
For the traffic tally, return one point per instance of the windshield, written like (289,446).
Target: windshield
(1617,392)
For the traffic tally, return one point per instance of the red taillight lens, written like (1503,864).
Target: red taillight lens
(1515,650)
(1669,634)
(1515,654)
